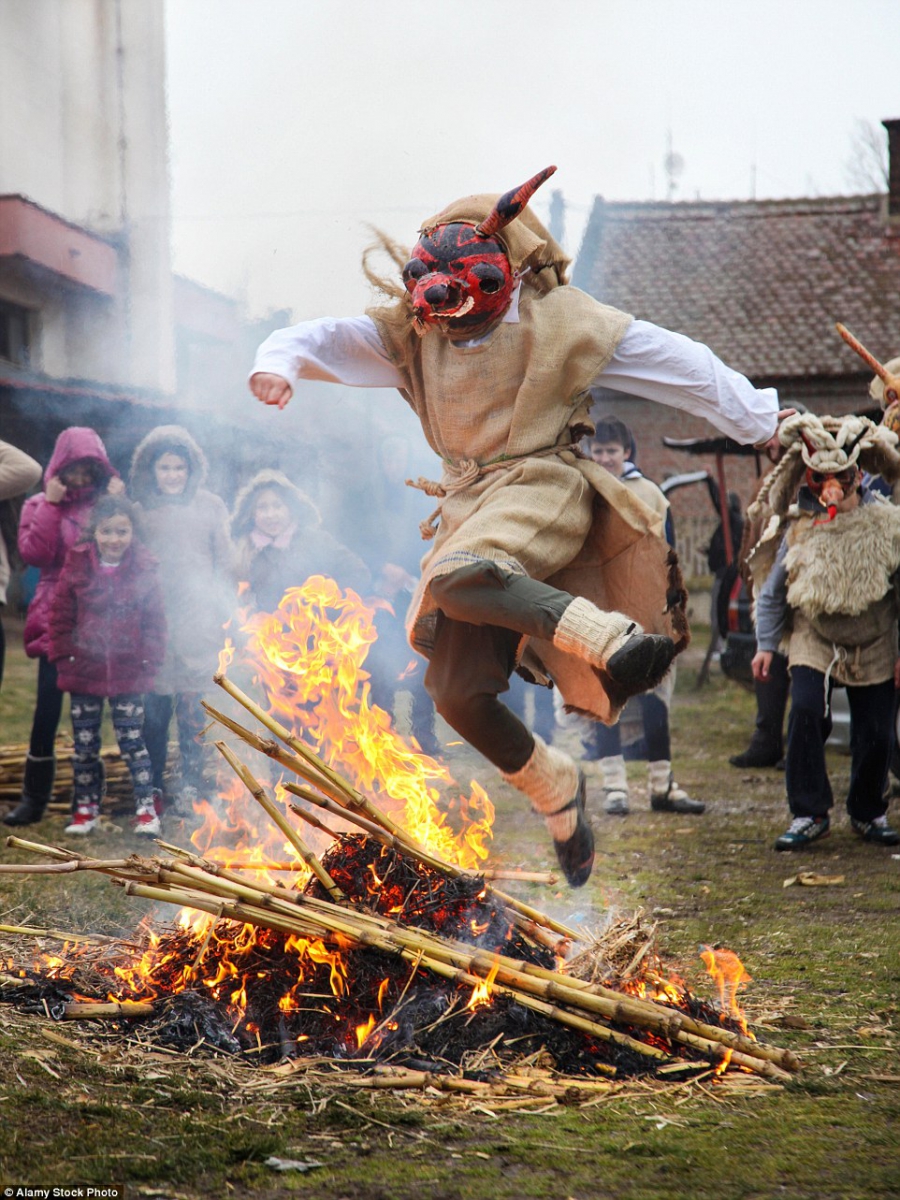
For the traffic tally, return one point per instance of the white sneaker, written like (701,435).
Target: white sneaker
(146,822)
(615,802)
(83,820)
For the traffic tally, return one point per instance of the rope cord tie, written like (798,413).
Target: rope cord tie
(468,471)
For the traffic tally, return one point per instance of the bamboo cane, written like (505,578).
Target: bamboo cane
(421,1079)
(57,934)
(273,902)
(353,797)
(258,793)
(58,868)
(78,1010)
(415,947)
(269,747)
(340,791)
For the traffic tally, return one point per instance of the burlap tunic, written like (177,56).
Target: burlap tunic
(495,413)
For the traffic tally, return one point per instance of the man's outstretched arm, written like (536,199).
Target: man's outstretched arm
(344,350)
(671,369)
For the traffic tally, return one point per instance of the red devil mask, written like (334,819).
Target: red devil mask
(459,277)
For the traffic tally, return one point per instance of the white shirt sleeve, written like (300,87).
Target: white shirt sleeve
(669,368)
(333,349)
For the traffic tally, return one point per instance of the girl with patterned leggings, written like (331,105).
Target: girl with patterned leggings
(107,639)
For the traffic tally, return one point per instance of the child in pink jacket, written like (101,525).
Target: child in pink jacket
(107,637)
(79,472)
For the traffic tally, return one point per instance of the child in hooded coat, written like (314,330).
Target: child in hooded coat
(280,542)
(185,527)
(78,474)
(107,636)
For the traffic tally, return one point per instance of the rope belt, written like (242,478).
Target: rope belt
(468,471)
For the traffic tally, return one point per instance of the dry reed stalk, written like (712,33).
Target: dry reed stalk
(59,935)
(257,791)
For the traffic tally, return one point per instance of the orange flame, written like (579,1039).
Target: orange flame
(483,991)
(363,1031)
(309,657)
(729,974)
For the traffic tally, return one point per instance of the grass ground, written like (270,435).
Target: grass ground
(825,969)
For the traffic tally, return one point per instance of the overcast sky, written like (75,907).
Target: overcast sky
(295,122)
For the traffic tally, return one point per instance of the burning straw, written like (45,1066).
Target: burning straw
(394,931)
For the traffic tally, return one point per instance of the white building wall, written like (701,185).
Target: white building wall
(83,133)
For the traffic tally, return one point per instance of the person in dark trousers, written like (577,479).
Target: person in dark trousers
(766,747)
(78,474)
(107,638)
(827,571)
(19,473)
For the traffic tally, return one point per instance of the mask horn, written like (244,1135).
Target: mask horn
(891,382)
(511,204)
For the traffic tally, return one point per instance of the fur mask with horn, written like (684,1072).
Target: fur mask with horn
(828,454)
(461,275)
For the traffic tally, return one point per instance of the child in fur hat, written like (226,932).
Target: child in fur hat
(827,564)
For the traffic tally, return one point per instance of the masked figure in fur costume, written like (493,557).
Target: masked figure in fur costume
(826,572)
(541,560)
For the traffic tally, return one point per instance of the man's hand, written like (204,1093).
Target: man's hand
(761,665)
(773,448)
(271,389)
(55,490)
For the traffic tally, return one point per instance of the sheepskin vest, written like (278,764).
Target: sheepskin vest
(842,588)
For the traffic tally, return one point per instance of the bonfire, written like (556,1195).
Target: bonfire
(321,918)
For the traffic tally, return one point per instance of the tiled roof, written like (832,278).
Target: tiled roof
(760,282)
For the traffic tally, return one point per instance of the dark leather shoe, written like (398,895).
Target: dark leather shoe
(664,804)
(576,854)
(638,666)
(676,800)
(757,756)
(27,812)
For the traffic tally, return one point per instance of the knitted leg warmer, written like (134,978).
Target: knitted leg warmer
(589,633)
(550,780)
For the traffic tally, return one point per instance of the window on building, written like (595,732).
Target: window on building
(15,334)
